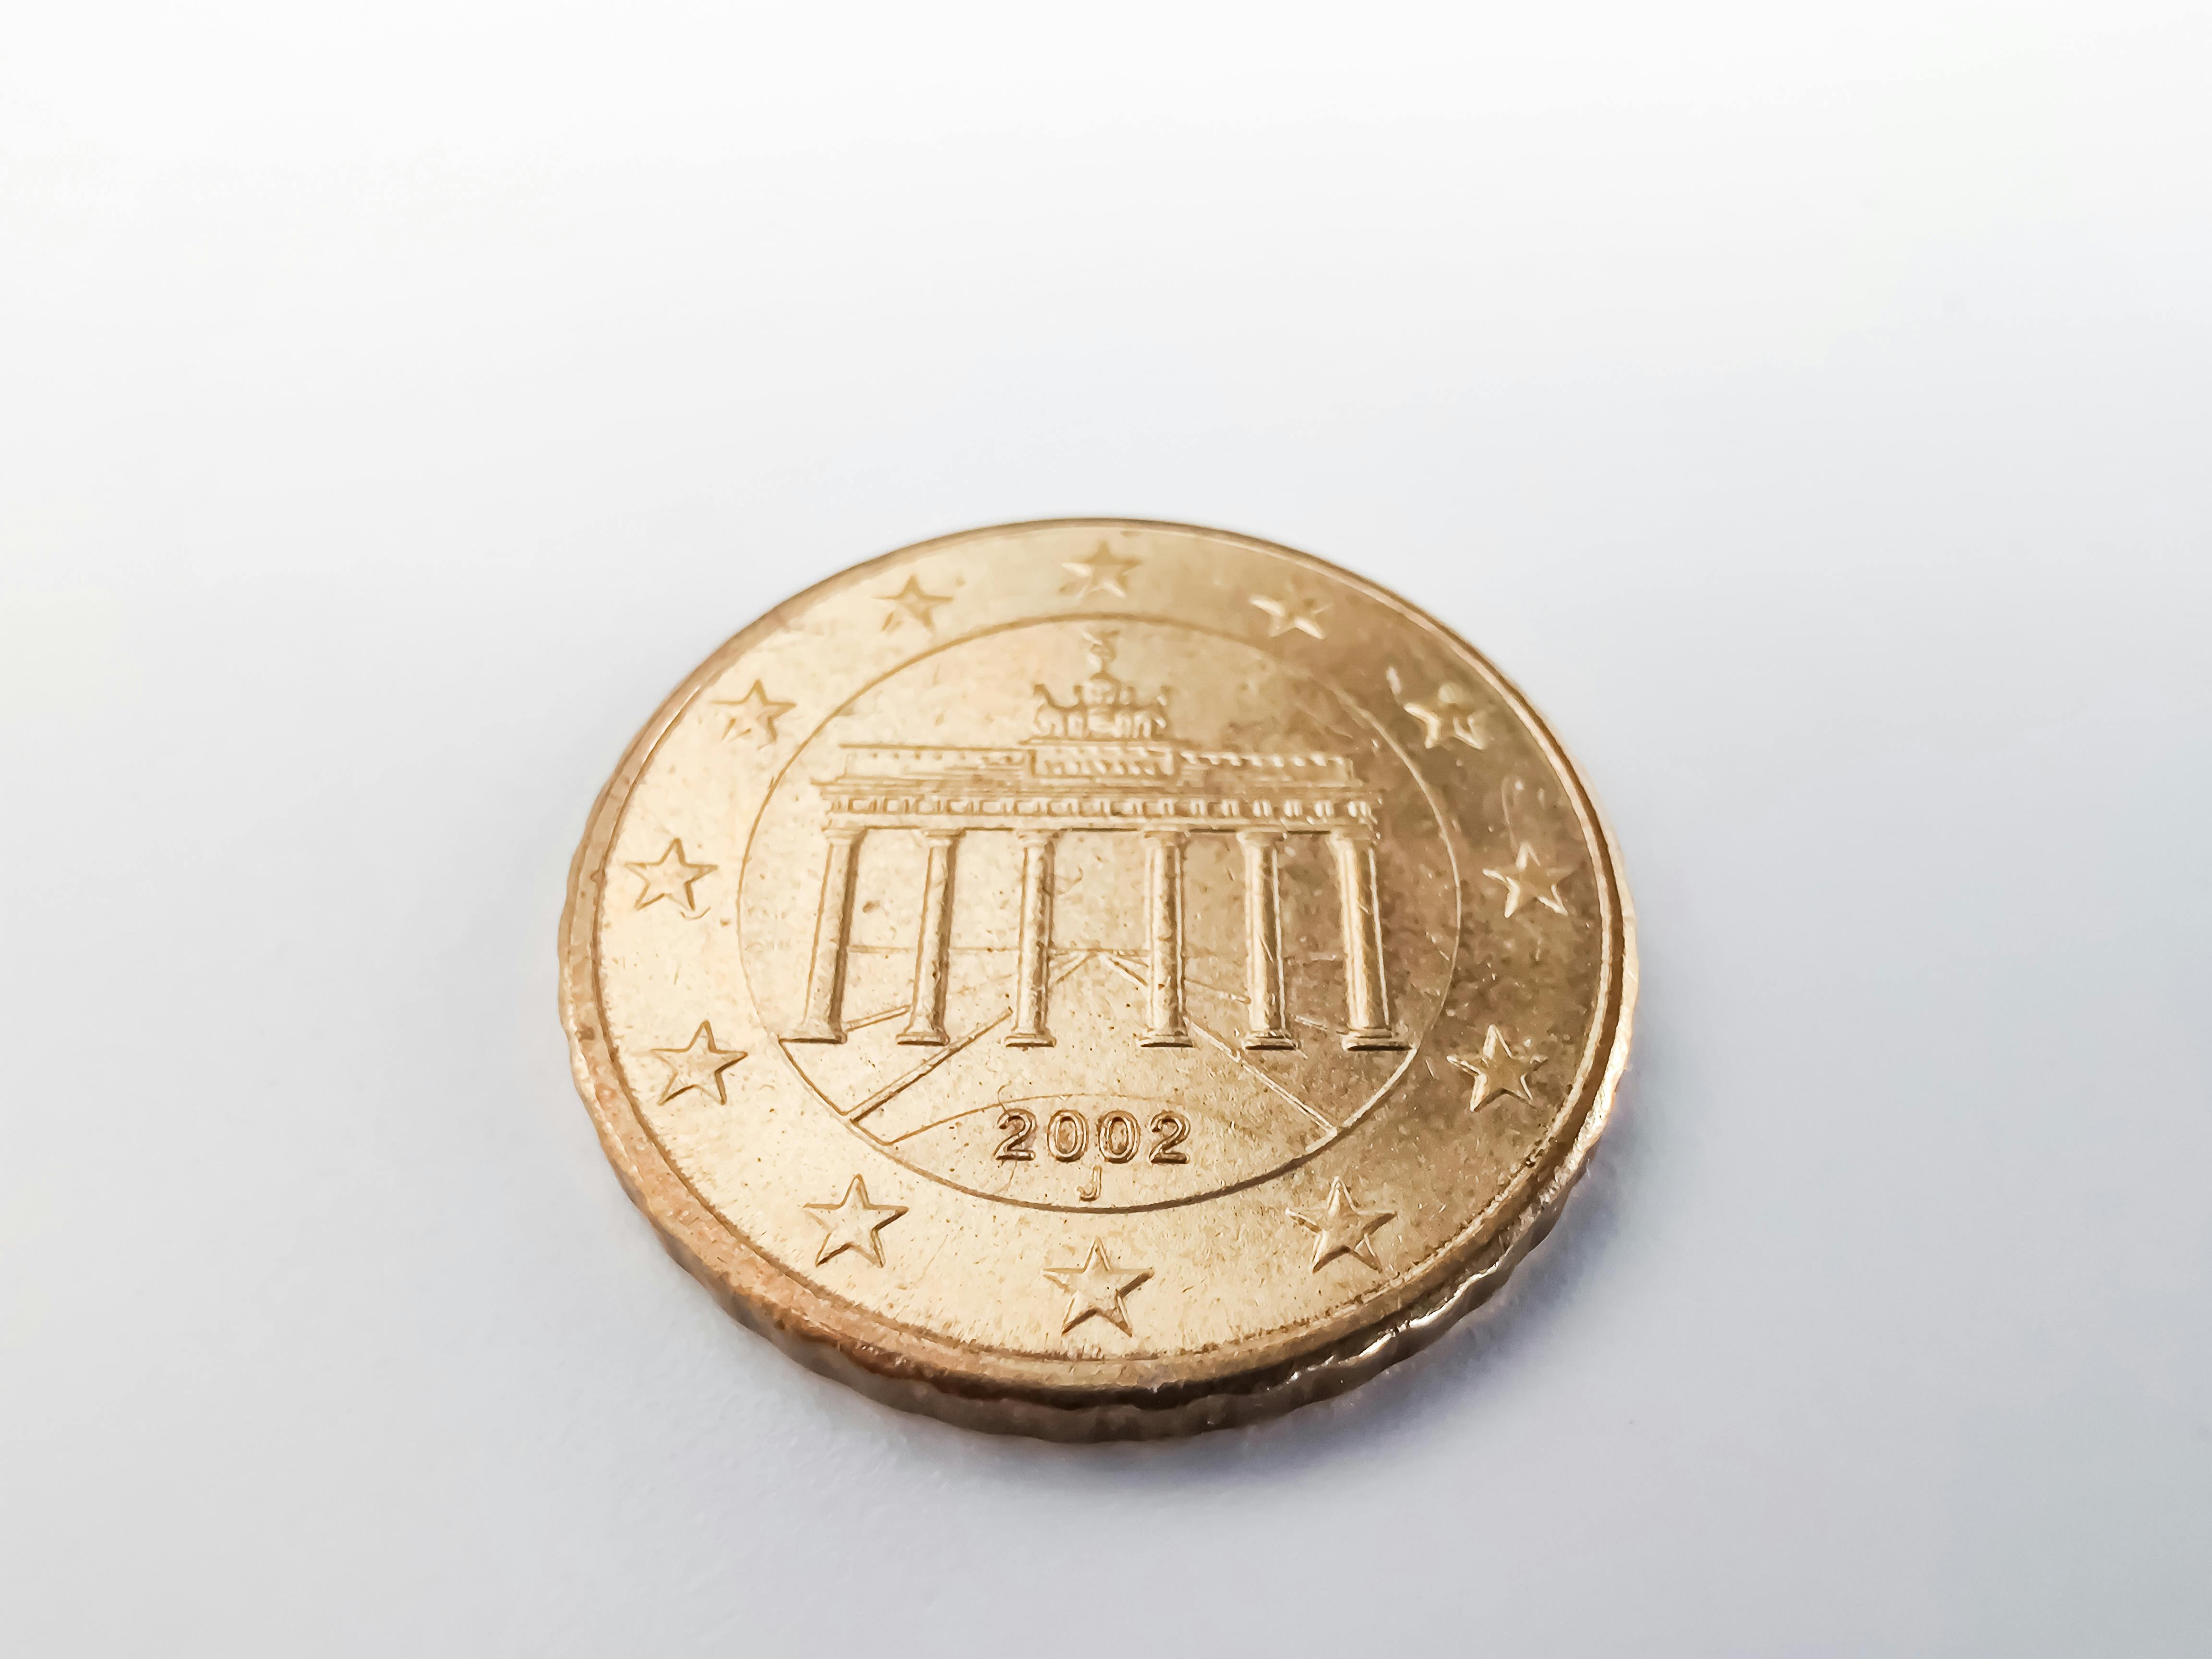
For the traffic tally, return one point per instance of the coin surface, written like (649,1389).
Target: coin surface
(1097,979)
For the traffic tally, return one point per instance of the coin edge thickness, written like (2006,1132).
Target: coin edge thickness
(913,1372)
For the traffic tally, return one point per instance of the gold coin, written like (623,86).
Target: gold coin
(1097,979)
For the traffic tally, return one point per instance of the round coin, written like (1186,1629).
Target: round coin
(1097,979)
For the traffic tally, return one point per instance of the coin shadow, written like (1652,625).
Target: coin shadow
(1442,1380)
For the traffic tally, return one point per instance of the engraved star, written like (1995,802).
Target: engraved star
(1445,715)
(1341,1228)
(1530,877)
(852,1224)
(1097,1287)
(669,877)
(752,715)
(1498,1071)
(699,1066)
(1282,617)
(1101,572)
(912,603)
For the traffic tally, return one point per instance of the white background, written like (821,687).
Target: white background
(1807,404)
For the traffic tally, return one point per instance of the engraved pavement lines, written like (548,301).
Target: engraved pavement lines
(753,715)
(1341,1227)
(852,1224)
(861,1022)
(1234,1051)
(698,1065)
(1097,1287)
(937,1057)
(1132,970)
(669,877)
(1498,1071)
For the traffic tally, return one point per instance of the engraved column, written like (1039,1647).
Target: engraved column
(1366,1002)
(833,918)
(1034,966)
(924,1021)
(1164,914)
(1263,941)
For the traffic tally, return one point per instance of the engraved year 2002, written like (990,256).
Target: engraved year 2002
(1069,1135)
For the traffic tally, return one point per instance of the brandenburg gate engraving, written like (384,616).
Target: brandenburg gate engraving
(1103,763)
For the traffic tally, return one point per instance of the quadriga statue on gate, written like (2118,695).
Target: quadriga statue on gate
(1104,707)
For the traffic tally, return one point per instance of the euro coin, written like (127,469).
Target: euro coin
(1097,979)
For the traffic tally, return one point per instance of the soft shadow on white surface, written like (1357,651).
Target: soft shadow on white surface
(1808,411)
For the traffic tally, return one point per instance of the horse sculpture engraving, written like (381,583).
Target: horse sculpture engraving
(1104,707)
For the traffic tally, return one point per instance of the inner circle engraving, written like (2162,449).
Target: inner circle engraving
(1088,939)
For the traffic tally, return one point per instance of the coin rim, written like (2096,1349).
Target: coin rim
(1057,1399)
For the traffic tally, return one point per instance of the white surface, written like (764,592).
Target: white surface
(1810,411)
